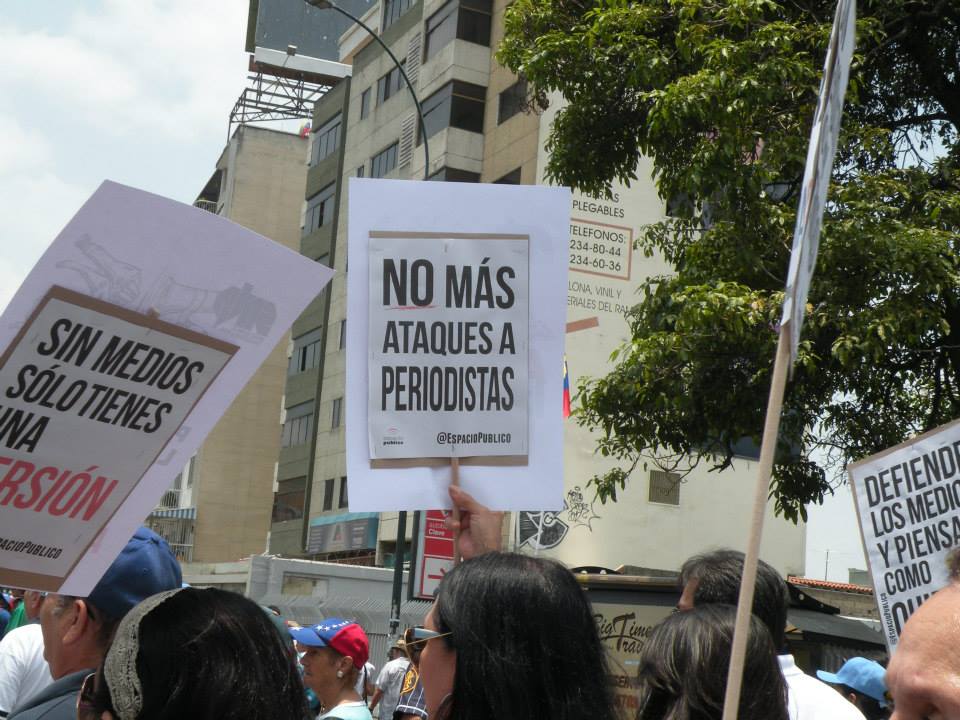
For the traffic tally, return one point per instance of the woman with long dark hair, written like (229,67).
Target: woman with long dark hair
(683,668)
(190,653)
(512,637)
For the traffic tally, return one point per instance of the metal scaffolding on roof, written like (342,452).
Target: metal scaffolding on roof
(276,93)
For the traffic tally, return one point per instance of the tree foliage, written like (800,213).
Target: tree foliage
(720,94)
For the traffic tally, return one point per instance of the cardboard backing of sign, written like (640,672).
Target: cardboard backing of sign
(132,282)
(447,212)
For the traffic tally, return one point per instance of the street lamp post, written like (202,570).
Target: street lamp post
(329,5)
(402,518)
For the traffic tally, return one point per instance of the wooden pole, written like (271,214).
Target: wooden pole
(768,445)
(455,513)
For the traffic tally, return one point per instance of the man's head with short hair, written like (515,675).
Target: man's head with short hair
(714,578)
(923,676)
(77,631)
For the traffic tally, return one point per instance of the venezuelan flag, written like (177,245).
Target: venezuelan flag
(566,389)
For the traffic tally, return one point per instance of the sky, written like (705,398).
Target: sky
(140,92)
(135,92)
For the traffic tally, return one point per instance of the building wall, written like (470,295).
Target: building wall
(263,175)
(514,143)
(712,509)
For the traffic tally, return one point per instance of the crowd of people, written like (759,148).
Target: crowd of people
(509,636)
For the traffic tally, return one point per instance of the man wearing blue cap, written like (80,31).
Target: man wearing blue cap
(77,631)
(861,682)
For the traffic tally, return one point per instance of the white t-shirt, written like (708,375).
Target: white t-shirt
(810,699)
(364,675)
(23,671)
(390,682)
(349,711)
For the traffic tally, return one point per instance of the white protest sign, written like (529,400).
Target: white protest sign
(816,174)
(908,503)
(448,346)
(120,351)
(458,224)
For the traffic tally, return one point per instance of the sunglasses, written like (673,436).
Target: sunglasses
(418,636)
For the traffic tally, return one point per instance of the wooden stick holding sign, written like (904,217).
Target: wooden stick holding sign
(455,511)
(748,581)
(803,257)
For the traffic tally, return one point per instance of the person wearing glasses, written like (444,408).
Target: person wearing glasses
(203,654)
(509,636)
(77,631)
(335,653)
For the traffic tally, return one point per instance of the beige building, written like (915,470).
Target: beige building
(479,128)
(219,507)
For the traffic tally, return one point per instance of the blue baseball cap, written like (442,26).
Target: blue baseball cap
(343,636)
(145,567)
(864,676)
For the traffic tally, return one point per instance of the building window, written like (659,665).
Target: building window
(320,209)
(343,492)
(306,353)
(328,494)
(326,140)
(383,162)
(343,333)
(462,19)
(298,425)
(390,84)
(288,502)
(457,104)
(360,171)
(335,413)
(512,101)
(449,174)
(393,10)
(511,178)
(364,103)
(664,488)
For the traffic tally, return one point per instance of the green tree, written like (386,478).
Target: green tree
(720,94)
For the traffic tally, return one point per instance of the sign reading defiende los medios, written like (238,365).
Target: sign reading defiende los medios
(908,502)
(448,339)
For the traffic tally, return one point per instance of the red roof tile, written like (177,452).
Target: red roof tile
(826,585)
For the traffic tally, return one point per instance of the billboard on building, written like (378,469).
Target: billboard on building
(276,24)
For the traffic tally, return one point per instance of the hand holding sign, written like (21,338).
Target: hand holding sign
(479,529)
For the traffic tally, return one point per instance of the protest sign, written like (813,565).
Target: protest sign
(120,351)
(908,504)
(816,174)
(519,235)
(448,345)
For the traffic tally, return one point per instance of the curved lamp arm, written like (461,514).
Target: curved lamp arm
(329,5)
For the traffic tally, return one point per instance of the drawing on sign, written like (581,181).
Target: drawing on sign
(107,278)
(237,309)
